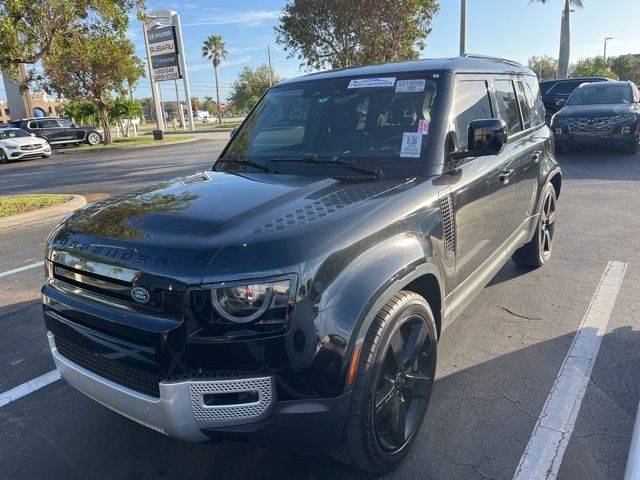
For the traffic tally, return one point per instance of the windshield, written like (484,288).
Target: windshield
(12,133)
(601,94)
(365,120)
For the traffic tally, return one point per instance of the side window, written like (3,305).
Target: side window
(471,103)
(47,124)
(526,103)
(537,110)
(63,122)
(33,125)
(507,105)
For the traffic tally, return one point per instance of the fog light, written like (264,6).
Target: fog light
(557,131)
(626,130)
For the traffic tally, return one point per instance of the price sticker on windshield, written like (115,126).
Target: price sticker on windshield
(411,145)
(410,86)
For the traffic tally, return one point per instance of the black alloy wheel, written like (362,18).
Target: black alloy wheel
(538,251)
(393,383)
(547,225)
(404,383)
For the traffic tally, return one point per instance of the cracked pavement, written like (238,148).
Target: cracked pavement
(497,362)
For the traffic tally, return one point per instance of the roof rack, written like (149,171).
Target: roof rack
(488,57)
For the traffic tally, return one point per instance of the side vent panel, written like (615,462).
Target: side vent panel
(448,224)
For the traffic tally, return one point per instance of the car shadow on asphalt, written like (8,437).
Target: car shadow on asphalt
(477,426)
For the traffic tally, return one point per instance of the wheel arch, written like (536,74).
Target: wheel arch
(556,181)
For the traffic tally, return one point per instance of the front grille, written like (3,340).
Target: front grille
(31,147)
(111,288)
(116,372)
(602,124)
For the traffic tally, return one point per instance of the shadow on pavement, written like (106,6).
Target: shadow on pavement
(477,426)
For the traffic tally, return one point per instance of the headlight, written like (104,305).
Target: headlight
(244,308)
(246,303)
(12,147)
(626,119)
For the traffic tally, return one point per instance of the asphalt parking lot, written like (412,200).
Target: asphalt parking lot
(498,362)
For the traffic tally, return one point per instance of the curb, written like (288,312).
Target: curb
(45,213)
(75,150)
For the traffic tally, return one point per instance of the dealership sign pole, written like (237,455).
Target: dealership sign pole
(154,92)
(164,44)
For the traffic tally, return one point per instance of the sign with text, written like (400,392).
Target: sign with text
(164,54)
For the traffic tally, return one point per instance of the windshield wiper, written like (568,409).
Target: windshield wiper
(244,161)
(313,159)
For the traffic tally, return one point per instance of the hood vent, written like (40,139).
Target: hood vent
(448,224)
(324,206)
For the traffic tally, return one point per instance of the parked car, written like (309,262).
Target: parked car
(294,293)
(17,144)
(600,114)
(59,131)
(556,91)
(204,117)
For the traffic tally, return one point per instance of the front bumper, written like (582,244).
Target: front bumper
(307,426)
(613,137)
(22,154)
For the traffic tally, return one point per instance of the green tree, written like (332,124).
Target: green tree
(627,67)
(247,89)
(195,104)
(82,112)
(122,109)
(214,49)
(593,67)
(29,30)
(544,66)
(209,105)
(92,67)
(346,33)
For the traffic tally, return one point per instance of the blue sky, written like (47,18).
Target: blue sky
(509,28)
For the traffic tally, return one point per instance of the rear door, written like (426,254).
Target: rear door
(48,128)
(528,150)
(481,201)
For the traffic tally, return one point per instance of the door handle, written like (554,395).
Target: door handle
(536,156)
(506,175)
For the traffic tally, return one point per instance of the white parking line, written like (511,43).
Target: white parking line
(21,269)
(543,455)
(29,387)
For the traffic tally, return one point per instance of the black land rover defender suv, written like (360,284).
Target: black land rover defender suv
(606,114)
(294,294)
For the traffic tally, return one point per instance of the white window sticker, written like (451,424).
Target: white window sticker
(411,145)
(409,86)
(423,126)
(372,82)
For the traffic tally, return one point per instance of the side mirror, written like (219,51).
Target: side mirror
(487,137)
(561,103)
(233,132)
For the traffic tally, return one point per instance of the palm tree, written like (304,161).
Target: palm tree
(213,49)
(565,35)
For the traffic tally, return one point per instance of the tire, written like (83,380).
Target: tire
(634,147)
(3,157)
(93,138)
(538,251)
(404,330)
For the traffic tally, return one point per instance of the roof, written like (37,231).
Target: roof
(34,118)
(468,63)
(573,79)
(610,83)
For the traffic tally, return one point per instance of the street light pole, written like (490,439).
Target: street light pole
(605,46)
(463,27)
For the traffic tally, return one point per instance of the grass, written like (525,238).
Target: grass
(15,204)
(140,141)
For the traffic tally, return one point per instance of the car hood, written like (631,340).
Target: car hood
(595,111)
(175,229)
(18,141)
